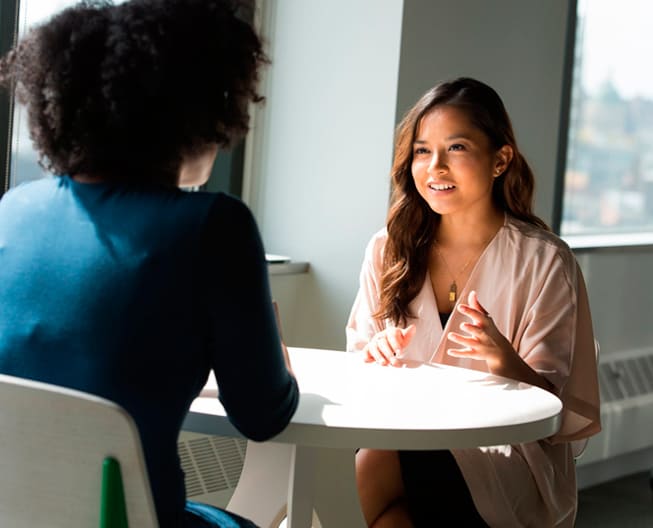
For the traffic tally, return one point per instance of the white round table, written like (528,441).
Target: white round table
(346,404)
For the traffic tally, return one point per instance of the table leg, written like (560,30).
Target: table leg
(262,489)
(305,478)
(301,487)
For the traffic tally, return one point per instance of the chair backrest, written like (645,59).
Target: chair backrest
(578,446)
(53,445)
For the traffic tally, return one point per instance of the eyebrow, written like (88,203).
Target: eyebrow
(449,138)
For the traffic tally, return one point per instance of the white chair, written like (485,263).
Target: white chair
(67,459)
(578,446)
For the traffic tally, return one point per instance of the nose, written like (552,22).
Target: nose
(437,163)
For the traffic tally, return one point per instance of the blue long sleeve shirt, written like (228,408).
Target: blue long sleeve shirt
(135,294)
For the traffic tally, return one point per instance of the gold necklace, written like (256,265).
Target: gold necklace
(453,288)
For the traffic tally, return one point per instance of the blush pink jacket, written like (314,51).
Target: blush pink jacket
(530,283)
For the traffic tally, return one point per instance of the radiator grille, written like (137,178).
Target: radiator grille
(211,463)
(626,376)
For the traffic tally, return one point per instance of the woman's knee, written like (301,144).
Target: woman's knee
(378,477)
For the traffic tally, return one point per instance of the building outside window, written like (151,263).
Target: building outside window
(608,184)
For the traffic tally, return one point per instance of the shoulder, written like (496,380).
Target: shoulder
(540,250)
(231,227)
(229,211)
(377,243)
(208,208)
(33,189)
(375,248)
(538,242)
(230,204)
(38,201)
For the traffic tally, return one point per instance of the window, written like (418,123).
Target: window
(23,165)
(608,184)
(7,34)
(20,161)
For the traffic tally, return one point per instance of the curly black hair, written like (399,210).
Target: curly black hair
(127,91)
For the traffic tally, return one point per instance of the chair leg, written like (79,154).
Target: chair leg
(113,511)
(264,476)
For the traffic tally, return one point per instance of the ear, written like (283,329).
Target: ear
(503,158)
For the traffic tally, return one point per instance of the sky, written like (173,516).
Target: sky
(618,43)
(33,11)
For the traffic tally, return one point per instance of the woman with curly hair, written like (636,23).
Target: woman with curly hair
(115,281)
(466,275)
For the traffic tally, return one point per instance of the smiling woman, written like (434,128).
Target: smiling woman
(454,168)
(465,274)
(454,165)
(467,108)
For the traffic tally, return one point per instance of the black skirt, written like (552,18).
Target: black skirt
(436,492)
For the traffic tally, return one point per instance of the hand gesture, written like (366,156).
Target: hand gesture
(484,341)
(386,346)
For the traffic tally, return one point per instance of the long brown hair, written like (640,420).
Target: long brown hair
(411,222)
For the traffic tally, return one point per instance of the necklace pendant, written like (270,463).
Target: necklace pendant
(453,290)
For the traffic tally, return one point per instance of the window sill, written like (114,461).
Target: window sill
(287,268)
(609,241)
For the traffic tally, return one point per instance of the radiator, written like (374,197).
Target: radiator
(211,465)
(625,444)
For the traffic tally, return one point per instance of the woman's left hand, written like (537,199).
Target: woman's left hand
(484,341)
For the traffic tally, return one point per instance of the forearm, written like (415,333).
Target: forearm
(486,342)
(511,365)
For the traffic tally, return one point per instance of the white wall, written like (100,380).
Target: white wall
(620,288)
(322,151)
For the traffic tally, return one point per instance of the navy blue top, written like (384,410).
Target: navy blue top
(135,294)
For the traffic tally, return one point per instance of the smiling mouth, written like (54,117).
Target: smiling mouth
(441,186)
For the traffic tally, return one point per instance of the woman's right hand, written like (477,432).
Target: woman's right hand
(386,346)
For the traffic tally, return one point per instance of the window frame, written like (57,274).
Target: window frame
(589,242)
(9,13)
